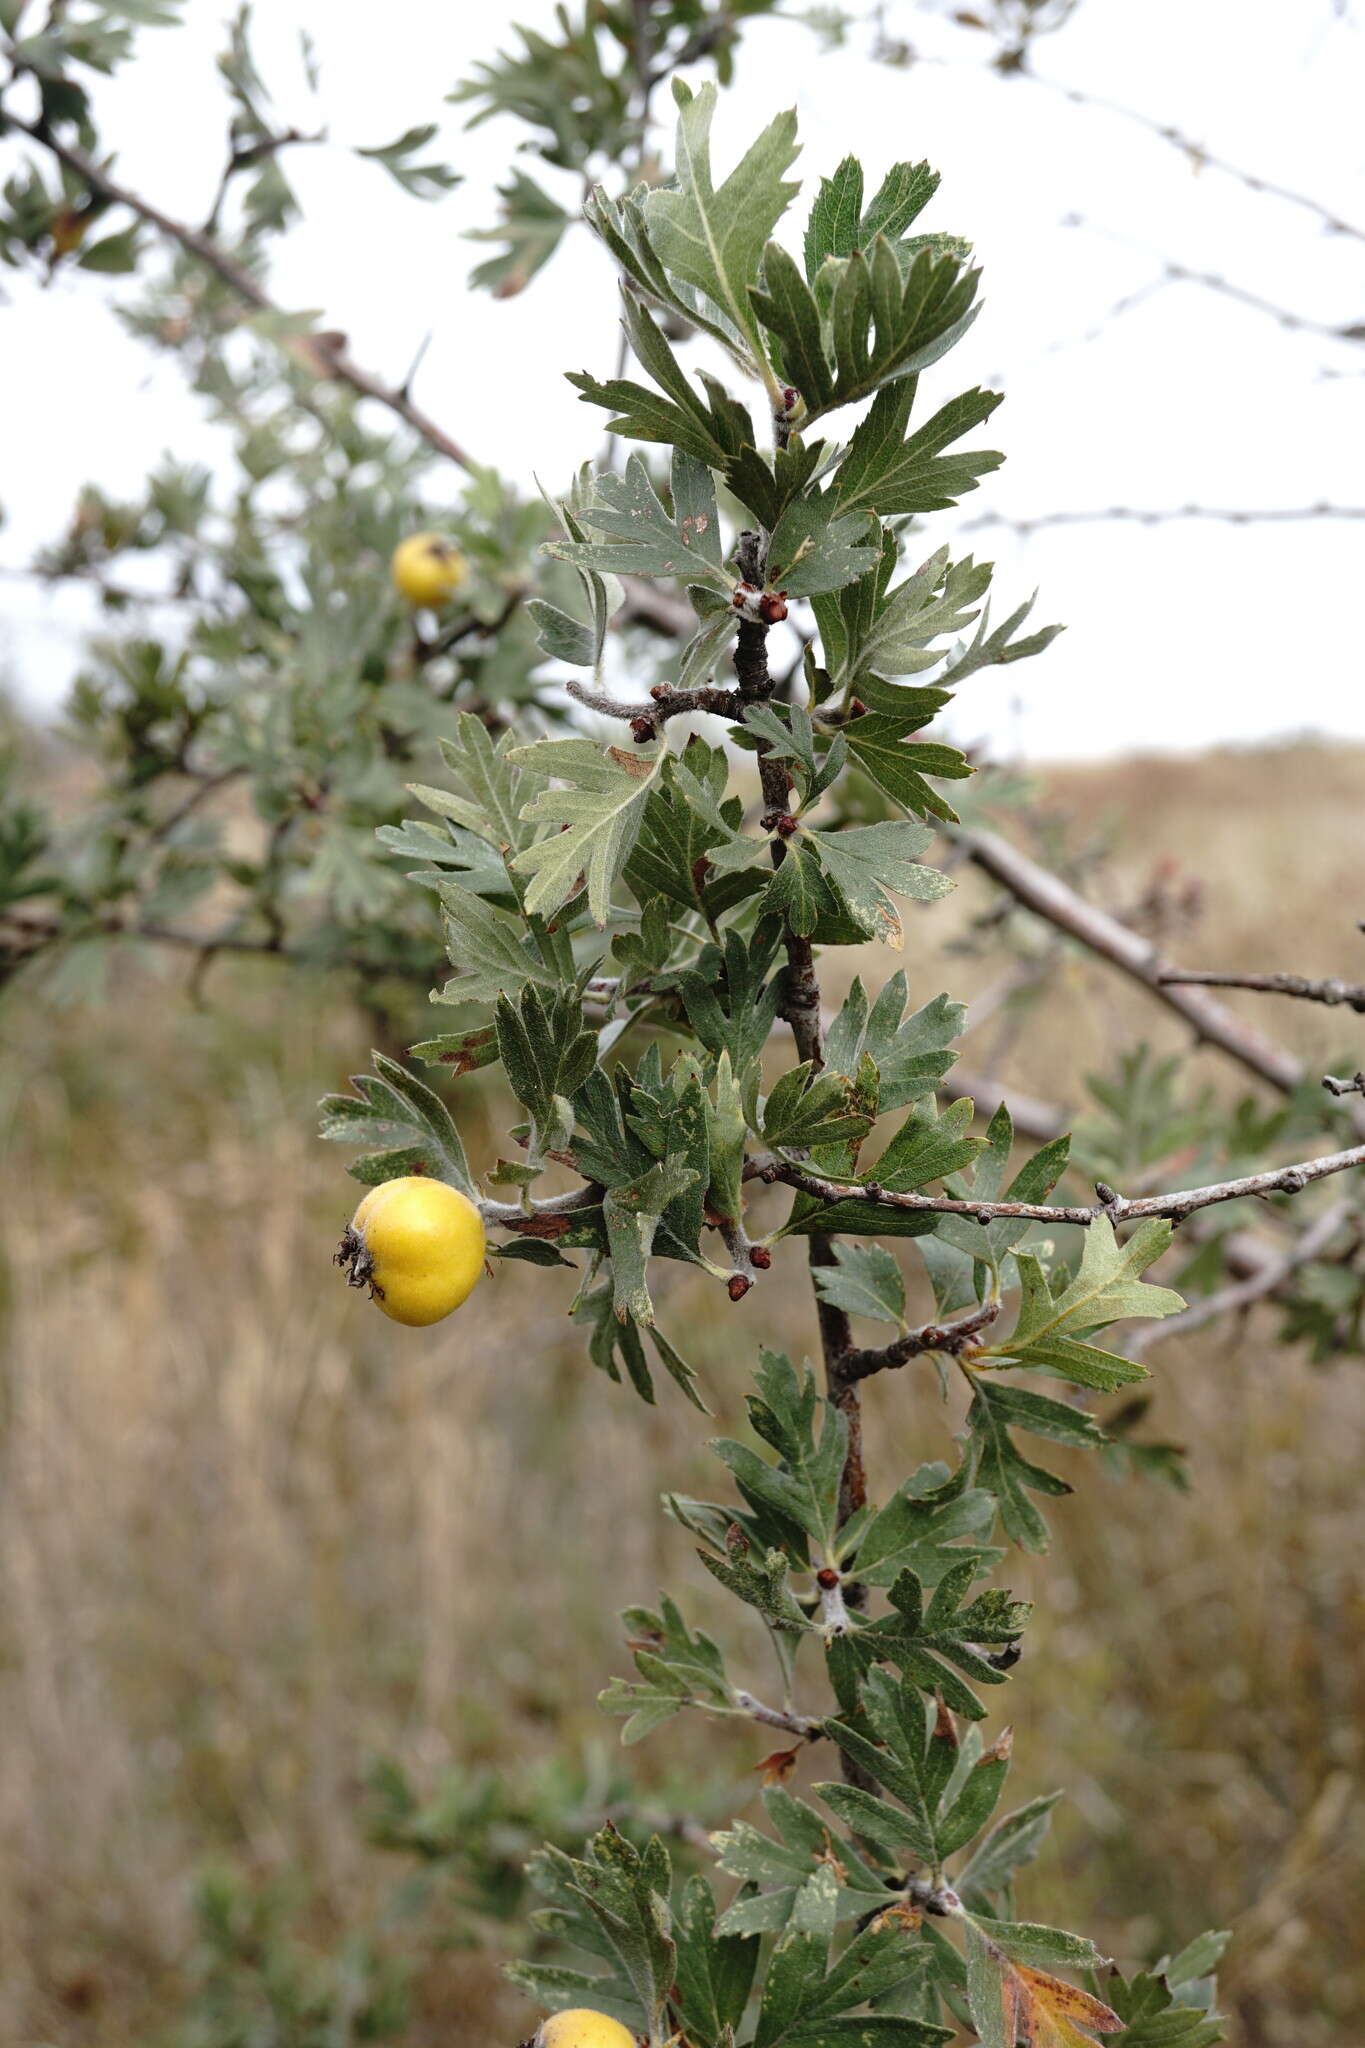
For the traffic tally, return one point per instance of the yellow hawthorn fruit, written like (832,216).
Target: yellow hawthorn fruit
(418,1245)
(427,568)
(581,2027)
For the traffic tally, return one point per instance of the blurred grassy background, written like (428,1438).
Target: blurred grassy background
(253,1537)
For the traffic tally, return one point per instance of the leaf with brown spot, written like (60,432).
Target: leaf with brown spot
(1053,2012)
(1013,2002)
(641,766)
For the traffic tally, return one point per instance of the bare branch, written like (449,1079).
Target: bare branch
(1141,515)
(1309,991)
(951,1338)
(1244,1253)
(1335,1086)
(1276,1180)
(1051,898)
(1244,1293)
(322,355)
(662,704)
(1172,272)
(1203,158)
(23,936)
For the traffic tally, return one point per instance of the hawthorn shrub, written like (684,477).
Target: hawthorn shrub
(637,927)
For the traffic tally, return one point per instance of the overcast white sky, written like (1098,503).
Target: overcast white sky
(1179,636)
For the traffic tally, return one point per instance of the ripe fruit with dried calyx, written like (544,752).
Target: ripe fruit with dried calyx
(418,1245)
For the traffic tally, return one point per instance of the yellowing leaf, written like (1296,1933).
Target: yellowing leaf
(1014,2002)
(1051,2012)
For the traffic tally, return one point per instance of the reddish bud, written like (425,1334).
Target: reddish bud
(660,691)
(857,709)
(827,1579)
(740,1283)
(760,1256)
(789,396)
(642,730)
(786,825)
(743,592)
(773,607)
(736,1542)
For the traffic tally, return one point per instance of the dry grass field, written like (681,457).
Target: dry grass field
(252,1537)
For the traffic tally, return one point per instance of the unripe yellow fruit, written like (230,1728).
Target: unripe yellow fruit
(427,568)
(418,1245)
(581,2027)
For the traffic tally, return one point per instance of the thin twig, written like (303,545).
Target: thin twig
(1276,1180)
(205,786)
(1173,272)
(1161,515)
(1051,898)
(34,934)
(950,1338)
(465,629)
(1244,1253)
(655,711)
(247,157)
(1307,990)
(779,1717)
(325,357)
(1203,158)
(1244,1293)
